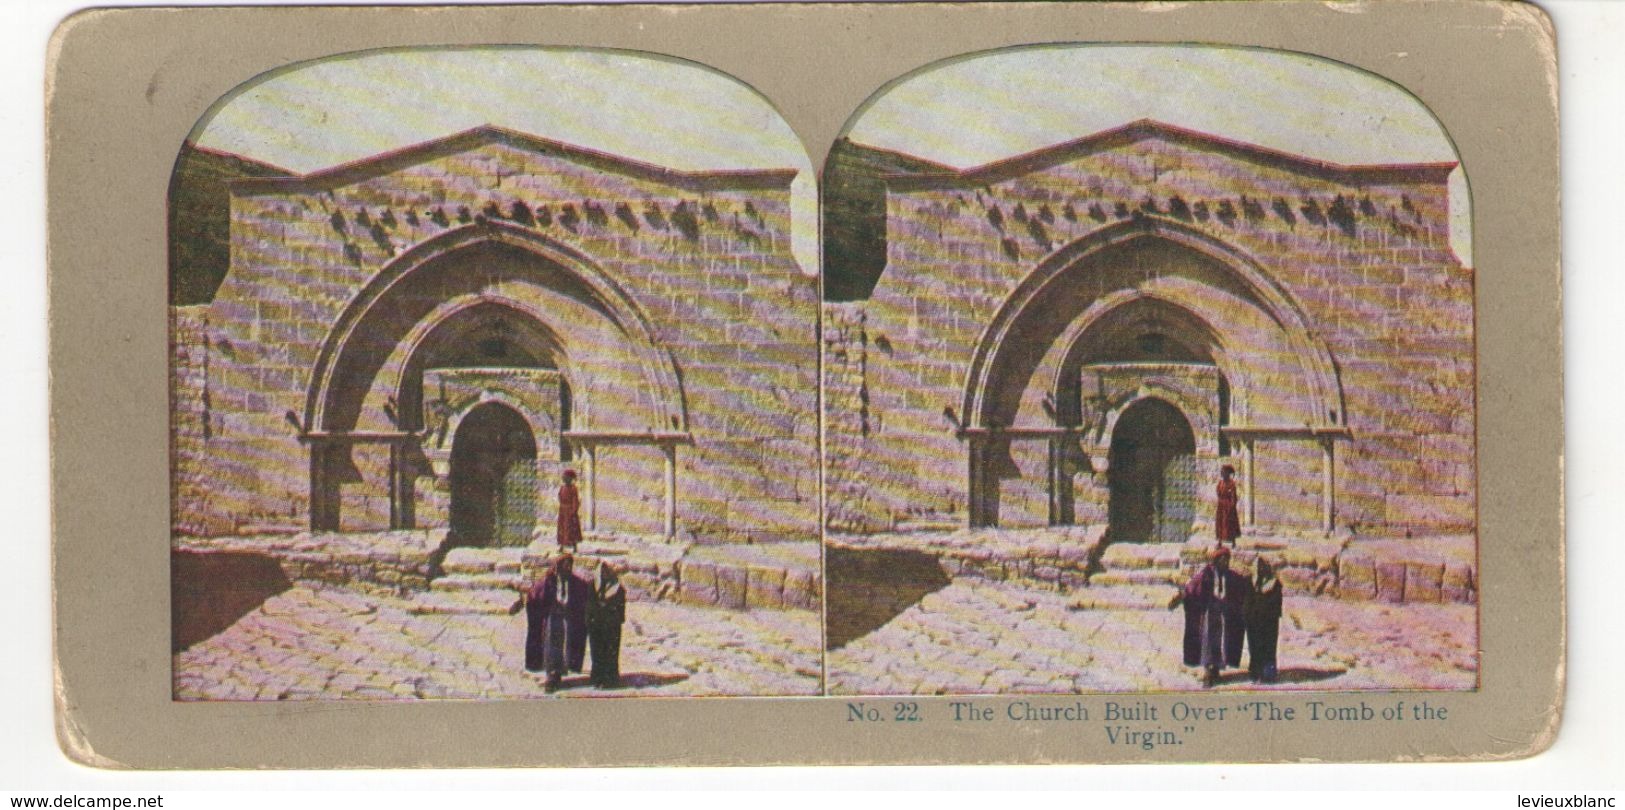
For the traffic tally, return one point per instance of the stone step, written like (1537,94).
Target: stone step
(1172,577)
(742,587)
(1122,597)
(800,556)
(483,561)
(924,525)
(455,602)
(479,582)
(1145,555)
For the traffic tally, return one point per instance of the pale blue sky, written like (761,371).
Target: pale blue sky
(963,113)
(982,108)
(667,112)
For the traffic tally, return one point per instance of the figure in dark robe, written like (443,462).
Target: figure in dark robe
(606,612)
(556,632)
(1214,624)
(1262,613)
(1226,520)
(569,512)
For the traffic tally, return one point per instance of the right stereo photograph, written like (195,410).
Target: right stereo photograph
(1147,369)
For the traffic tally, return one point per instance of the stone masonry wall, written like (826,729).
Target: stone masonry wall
(398,562)
(711,268)
(1369,264)
(190,425)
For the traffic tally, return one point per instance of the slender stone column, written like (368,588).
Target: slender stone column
(409,495)
(671,489)
(318,486)
(590,462)
(973,503)
(1053,473)
(400,495)
(1247,488)
(1328,484)
(324,504)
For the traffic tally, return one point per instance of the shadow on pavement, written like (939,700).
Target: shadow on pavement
(1307,675)
(1290,675)
(630,680)
(642,680)
(209,592)
(869,587)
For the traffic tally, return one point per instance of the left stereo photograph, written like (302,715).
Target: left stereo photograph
(494,375)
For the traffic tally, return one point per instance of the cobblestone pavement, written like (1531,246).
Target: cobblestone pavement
(979,637)
(331,643)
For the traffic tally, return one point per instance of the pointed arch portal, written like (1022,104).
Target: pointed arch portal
(489,299)
(1145,308)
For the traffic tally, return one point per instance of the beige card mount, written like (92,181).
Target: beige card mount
(706,385)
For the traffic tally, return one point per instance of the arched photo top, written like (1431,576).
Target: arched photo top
(979,110)
(651,111)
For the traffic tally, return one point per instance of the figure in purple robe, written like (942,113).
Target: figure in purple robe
(1214,626)
(556,631)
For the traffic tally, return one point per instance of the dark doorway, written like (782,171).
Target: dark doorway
(493,478)
(1152,475)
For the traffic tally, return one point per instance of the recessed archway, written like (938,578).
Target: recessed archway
(494,298)
(1152,475)
(1246,322)
(581,313)
(1151,303)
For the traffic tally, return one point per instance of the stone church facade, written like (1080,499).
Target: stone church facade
(427,338)
(1081,335)
(1085,334)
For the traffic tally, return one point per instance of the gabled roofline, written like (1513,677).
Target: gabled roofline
(1043,157)
(931,166)
(221,153)
(396,159)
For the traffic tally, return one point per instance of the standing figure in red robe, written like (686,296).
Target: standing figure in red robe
(1226,521)
(556,631)
(1215,627)
(569,512)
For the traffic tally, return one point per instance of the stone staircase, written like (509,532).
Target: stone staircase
(1098,575)
(475,580)
(1145,576)
(1137,576)
(775,576)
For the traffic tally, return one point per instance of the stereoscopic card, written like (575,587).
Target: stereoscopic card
(606,385)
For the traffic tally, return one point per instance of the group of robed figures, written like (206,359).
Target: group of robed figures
(1224,609)
(566,615)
